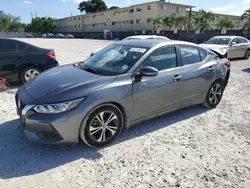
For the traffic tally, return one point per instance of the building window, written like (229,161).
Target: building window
(79,18)
(71,20)
(150,7)
(179,9)
(120,22)
(131,21)
(79,26)
(163,7)
(72,26)
(74,18)
(75,26)
(138,21)
(139,9)
(123,22)
(113,13)
(193,15)
(149,20)
(119,11)
(131,10)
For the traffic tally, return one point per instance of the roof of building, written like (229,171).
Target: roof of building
(218,14)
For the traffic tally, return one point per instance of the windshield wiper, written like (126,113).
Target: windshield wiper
(92,71)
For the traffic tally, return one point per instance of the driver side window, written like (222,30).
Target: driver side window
(162,59)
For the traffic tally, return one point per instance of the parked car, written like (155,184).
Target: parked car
(29,35)
(137,37)
(125,83)
(50,35)
(69,36)
(59,35)
(20,61)
(231,46)
(44,35)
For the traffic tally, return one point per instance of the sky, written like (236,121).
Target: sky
(64,8)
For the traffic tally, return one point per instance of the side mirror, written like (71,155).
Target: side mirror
(233,43)
(149,71)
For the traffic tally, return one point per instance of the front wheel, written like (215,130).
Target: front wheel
(103,126)
(214,95)
(29,73)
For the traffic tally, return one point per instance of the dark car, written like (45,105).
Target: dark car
(123,84)
(50,35)
(20,61)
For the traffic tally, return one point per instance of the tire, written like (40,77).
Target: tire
(213,99)
(247,54)
(94,134)
(29,73)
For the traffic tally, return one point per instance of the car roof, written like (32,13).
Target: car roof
(145,36)
(149,43)
(226,36)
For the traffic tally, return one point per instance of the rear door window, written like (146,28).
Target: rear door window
(8,46)
(189,55)
(203,54)
(242,40)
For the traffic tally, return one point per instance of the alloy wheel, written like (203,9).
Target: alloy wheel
(215,94)
(103,127)
(30,74)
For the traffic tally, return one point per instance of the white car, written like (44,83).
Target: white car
(137,37)
(230,46)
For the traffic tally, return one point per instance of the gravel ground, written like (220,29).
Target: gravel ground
(193,147)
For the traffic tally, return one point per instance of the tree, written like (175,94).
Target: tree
(9,23)
(181,21)
(168,22)
(92,6)
(156,23)
(246,17)
(203,20)
(42,25)
(225,23)
(113,7)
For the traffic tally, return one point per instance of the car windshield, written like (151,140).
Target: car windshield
(113,60)
(219,41)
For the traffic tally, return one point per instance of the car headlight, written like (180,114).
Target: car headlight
(57,108)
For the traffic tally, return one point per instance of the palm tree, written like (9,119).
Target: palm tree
(225,23)
(168,22)
(157,23)
(246,16)
(203,20)
(181,21)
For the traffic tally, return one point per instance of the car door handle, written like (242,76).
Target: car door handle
(210,69)
(177,78)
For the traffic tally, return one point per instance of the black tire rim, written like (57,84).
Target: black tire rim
(215,94)
(104,126)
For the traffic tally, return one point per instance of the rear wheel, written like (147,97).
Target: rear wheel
(28,73)
(103,126)
(214,95)
(247,54)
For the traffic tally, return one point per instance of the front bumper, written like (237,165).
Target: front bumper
(48,128)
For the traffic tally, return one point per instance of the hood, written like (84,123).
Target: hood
(64,83)
(220,49)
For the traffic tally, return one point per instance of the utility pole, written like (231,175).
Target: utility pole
(31,16)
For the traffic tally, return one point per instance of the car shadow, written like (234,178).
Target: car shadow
(20,157)
(247,70)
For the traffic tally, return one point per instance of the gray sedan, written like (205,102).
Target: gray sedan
(123,84)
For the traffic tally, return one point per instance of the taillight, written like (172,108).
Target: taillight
(51,54)
(229,64)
